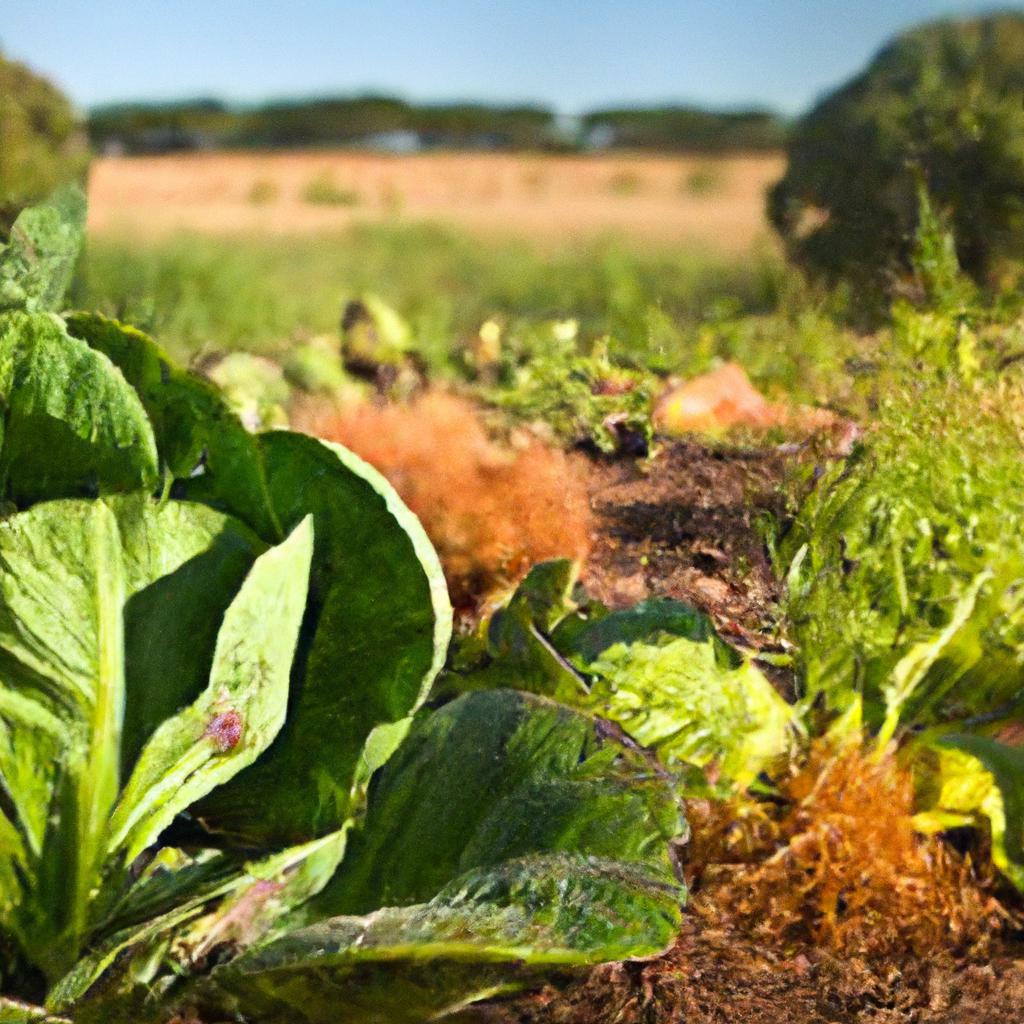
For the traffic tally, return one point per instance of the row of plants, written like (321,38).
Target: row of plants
(225,783)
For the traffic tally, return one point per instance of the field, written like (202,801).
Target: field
(672,497)
(705,202)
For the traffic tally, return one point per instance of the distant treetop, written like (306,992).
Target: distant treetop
(386,121)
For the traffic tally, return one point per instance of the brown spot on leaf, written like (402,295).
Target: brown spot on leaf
(225,730)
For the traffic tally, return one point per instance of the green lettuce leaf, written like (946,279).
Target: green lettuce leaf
(494,776)
(691,706)
(978,777)
(72,425)
(375,637)
(72,570)
(491,931)
(242,708)
(507,837)
(202,443)
(378,619)
(39,258)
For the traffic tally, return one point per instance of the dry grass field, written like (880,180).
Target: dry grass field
(715,203)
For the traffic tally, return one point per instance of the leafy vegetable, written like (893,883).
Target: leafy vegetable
(581,398)
(508,835)
(376,635)
(81,809)
(681,700)
(59,395)
(240,662)
(658,669)
(979,777)
(489,932)
(378,618)
(37,262)
(905,567)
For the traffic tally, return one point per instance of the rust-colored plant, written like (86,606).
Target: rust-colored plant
(492,510)
(840,865)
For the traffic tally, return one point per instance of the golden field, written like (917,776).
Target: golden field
(713,203)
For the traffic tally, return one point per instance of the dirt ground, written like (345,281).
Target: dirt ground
(716,976)
(683,524)
(717,203)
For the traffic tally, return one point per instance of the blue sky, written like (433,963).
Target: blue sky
(570,54)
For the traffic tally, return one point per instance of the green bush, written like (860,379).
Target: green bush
(944,101)
(41,141)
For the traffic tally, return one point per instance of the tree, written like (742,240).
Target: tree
(942,103)
(42,143)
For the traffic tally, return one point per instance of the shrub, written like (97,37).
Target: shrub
(323,191)
(945,101)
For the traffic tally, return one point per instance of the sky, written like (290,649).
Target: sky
(572,55)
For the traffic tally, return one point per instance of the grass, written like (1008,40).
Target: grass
(197,293)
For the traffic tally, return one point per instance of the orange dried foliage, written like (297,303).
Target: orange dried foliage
(840,866)
(491,510)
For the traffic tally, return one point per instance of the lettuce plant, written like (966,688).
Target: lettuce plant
(215,653)
(658,669)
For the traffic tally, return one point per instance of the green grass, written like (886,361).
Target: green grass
(197,294)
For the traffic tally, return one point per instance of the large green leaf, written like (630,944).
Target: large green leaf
(72,426)
(201,441)
(494,776)
(82,675)
(493,930)
(376,634)
(238,714)
(507,837)
(37,262)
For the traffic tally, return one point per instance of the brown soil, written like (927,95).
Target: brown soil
(720,976)
(683,524)
(545,197)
